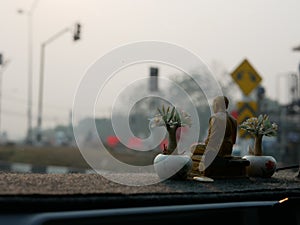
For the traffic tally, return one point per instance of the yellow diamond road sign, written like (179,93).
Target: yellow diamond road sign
(246,77)
(245,111)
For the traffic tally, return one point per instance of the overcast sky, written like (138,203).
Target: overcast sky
(221,32)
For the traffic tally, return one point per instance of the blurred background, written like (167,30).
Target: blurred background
(46,47)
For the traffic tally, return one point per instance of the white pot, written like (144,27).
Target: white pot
(172,166)
(260,166)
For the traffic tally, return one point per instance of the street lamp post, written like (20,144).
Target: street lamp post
(294,87)
(283,113)
(29,15)
(3,65)
(76,37)
(298,49)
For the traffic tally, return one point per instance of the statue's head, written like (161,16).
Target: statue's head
(220,104)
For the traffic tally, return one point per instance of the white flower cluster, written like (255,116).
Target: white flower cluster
(169,117)
(260,126)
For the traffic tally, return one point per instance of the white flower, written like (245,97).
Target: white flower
(260,126)
(157,121)
(171,117)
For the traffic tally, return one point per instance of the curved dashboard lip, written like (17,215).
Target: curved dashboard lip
(41,218)
(34,204)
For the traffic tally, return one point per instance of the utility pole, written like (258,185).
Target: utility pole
(29,15)
(76,37)
(153,85)
(298,49)
(3,65)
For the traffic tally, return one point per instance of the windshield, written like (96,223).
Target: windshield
(149,97)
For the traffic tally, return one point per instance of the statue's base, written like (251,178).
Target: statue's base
(221,167)
(233,167)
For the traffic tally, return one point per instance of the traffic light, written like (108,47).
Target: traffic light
(77,32)
(153,71)
(260,92)
(153,79)
(1,59)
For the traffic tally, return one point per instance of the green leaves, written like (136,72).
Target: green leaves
(172,117)
(260,125)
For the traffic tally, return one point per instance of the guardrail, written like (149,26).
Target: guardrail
(29,168)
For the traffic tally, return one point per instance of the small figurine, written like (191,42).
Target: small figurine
(221,121)
(213,158)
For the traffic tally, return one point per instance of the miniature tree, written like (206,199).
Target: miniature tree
(172,119)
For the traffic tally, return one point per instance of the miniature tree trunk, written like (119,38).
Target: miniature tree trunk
(258,145)
(298,175)
(172,141)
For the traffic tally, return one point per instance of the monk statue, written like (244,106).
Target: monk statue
(219,122)
(213,157)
